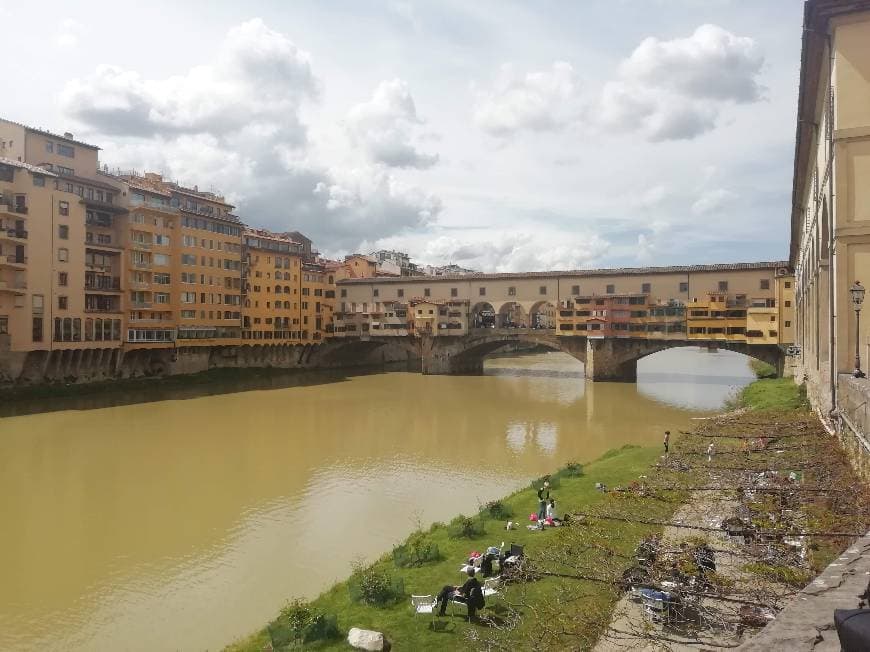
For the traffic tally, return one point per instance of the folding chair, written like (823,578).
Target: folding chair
(423,604)
(490,586)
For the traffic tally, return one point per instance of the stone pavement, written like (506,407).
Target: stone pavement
(807,621)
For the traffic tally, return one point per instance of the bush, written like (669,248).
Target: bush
(374,586)
(416,551)
(465,527)
(613,452)
(762,369)
(795,577)
(300,623)
(497,510)
(537,483)
(571,470)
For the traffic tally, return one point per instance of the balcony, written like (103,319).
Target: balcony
(103,283)
(16,287)
(115,310)
(135,244)
(14,234)
(142,264)
(14,261)
(138,305)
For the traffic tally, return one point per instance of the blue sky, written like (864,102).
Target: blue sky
(500,136)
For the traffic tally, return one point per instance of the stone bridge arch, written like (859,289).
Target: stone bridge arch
(465,355)
(615,359)
(337,352)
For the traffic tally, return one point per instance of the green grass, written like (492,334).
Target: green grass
(762,369)
(407,632)
(773,393)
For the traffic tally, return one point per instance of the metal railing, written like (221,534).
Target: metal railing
(20,260)
(111,283)
(16,233)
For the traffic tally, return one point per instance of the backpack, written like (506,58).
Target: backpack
(476,598)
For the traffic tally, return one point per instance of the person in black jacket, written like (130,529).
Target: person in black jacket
(470,593)
(543,498)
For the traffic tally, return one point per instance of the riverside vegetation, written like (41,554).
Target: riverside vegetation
(576,575)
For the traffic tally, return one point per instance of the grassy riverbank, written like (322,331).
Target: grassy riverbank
(407,632)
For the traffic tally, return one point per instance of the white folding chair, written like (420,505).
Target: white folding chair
(653,608)
(423,604)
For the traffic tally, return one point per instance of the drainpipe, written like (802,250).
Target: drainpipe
(831,221)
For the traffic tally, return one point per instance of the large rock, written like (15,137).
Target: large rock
(364,639)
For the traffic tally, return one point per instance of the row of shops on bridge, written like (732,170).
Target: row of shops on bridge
(718,316)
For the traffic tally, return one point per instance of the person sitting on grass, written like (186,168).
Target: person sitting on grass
(470,593)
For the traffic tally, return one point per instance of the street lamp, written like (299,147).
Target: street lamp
(857,292)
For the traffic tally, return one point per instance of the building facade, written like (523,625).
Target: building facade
(830,220)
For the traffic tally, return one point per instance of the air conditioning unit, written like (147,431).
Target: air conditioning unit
(782,271)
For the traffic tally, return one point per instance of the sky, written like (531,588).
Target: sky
(499,136)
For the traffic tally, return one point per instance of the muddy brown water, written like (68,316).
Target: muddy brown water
(185,524)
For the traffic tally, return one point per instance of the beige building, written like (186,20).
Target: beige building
(830,225)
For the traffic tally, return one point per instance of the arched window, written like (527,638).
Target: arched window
(286,289)
(89,329)
(77,330)
(277,289)
(98,330)
(58,329)
(67,329)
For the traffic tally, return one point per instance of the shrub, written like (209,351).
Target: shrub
(537,483)
(796,577)
(465,527)
(416,551)
(571,470)
(300,623)
(497,510)
(613,452)
(374,586)
(762,369)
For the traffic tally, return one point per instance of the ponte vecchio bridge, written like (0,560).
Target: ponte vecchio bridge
(607,318)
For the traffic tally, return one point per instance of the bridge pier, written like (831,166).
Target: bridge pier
(605,361)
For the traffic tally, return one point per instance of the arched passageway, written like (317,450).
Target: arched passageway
(512,315)
(543,316)
(482,315)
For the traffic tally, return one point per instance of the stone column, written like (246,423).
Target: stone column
(604,362)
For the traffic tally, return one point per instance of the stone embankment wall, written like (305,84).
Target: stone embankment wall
(93,365)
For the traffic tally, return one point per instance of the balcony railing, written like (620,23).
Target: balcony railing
(136,244)
(142,264)
(140,304)
(109,283)
(109,309)
(17,285)
(18,260)
(14,233)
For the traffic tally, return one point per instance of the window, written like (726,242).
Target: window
(788,304)
(454,292)
(611,289)
(38,181)
(188,297)
(427,292)
(773,318)
(62,279)
(684,286)
(63,255)
(49,147)
(4,325)
(482,292)
(161,297)
(575,289)
(62,303)
(162,278)
(188,314)
(63,208)
(376,292)
(400,293)
(542,289)
(188,259)
(69,172)
(787,284)
(765,284)
(723,286)
(646,288)
(66,150)
(788,324)
(37,329)
(512,291)
(344,292)
(63,232)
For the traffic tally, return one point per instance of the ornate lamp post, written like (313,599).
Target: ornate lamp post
(857,292)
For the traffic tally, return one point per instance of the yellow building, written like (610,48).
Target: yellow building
(830,217)
(272,308)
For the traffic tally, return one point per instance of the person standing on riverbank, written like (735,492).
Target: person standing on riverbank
(667,441)
(710,452)
(543,497)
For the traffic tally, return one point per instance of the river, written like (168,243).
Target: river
(185,524)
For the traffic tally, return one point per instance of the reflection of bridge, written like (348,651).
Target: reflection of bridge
(612,358)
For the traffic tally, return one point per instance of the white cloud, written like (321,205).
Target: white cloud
(674,90)
(68,34)
(234,125)
(385,127)
(713,201)
(536,101)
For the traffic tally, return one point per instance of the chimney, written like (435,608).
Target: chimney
(68,135)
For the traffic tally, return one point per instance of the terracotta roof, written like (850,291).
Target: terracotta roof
(26,166)
(581,273)
(49,133)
